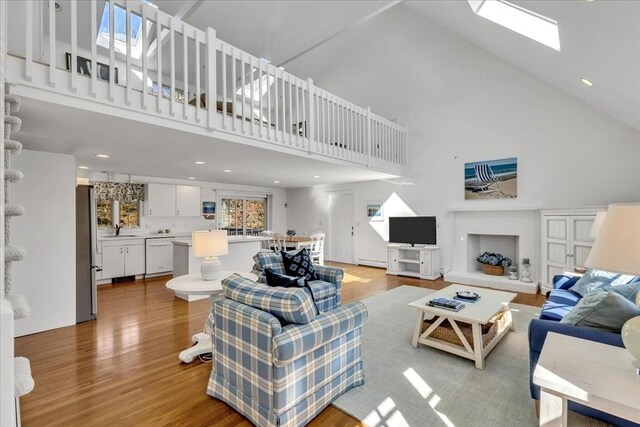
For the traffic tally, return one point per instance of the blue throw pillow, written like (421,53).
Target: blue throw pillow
(299,265)
(628,290)
(275,279)
(602,310)
(596,279)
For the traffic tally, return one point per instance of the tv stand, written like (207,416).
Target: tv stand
(422,261)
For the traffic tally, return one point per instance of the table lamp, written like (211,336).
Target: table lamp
(617,249)
(597,223)
(210,244)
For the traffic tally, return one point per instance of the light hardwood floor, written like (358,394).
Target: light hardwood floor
(123,369)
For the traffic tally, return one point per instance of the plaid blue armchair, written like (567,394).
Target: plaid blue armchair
(326,290)
(275,360)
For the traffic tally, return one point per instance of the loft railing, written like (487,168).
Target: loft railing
(134,56)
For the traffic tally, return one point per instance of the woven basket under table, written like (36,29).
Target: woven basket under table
(446,333)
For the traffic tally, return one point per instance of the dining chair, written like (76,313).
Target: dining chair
(317,248)
(266,244)
(278,242)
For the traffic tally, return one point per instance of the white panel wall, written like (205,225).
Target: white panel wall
(47,231)
(462,104)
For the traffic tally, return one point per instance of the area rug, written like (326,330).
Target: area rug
(407,386)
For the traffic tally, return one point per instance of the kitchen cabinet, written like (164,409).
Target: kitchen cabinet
(168,200)
(187,200)
(122,257)
(161,200)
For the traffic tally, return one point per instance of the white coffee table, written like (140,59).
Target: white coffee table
(590,373)
(477,314)
(194,284)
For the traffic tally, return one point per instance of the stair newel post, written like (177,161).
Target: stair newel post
(211,77)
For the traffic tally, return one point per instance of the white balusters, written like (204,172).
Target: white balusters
(74,44)
(94,49)
(211,77)
(28,55)
(52,43)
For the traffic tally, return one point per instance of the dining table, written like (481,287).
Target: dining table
(298,242)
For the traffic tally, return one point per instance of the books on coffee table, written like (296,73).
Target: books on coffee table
(446,304)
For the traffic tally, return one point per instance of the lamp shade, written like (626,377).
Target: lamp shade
(597,223)
(617,246)
(210,243)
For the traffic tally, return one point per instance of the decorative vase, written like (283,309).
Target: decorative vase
(525,272)
(513,273)
(631,339)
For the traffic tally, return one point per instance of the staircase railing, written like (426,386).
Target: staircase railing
(134,56)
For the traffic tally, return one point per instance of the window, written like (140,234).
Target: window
(243,216)
(120,31)
(523,21)
(129,216)
(118,203)
(104,211)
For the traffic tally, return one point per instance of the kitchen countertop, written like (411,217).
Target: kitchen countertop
(144,236)
(232,239)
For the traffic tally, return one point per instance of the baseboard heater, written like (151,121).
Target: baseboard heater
(372,263)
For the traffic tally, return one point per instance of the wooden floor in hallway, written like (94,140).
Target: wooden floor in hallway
(123,369)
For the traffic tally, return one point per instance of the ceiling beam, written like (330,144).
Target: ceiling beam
(187,9)
(341,31)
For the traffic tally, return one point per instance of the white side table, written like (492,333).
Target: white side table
(194,284)
(590,373)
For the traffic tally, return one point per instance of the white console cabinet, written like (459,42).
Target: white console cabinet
(422,262)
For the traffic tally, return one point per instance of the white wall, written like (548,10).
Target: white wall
(209,191)
(462,104)
(47,277)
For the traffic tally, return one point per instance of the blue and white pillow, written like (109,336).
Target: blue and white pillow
(597,279)
(299,265)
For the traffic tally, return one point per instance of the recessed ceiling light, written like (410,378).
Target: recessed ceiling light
(586,81)
(102,156)
(316,176)
(276,182)
(192,177)
(83,167)
(199,162)
(227,170)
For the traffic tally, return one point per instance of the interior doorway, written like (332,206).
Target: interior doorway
(341,227)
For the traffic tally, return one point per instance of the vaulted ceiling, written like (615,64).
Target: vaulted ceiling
(600,40)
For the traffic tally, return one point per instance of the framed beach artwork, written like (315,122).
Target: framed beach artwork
(374,211)
(491,179)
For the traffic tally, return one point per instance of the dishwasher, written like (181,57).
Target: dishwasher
(159,255)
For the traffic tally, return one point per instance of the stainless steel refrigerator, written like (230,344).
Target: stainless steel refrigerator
(86,254)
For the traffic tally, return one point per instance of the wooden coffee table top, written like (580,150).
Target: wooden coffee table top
(491,303)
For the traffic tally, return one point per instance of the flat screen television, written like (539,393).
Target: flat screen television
(413,230)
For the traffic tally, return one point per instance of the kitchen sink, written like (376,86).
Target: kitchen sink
(122,235)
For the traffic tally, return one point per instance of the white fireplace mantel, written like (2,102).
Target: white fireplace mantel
(521,224)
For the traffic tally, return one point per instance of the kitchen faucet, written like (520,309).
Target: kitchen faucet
(118,230)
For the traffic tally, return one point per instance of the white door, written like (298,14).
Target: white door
(341,227)
(187,200)
(112,261)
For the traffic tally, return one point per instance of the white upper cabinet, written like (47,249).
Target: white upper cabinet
(173,200)
(161,199)
(187,200)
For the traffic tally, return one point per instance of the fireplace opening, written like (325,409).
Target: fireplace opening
(506,245)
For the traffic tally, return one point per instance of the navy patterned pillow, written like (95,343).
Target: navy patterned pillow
(299,265)
(275,279)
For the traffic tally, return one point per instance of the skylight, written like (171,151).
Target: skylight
(253,88)
(530,24)
(120,31)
